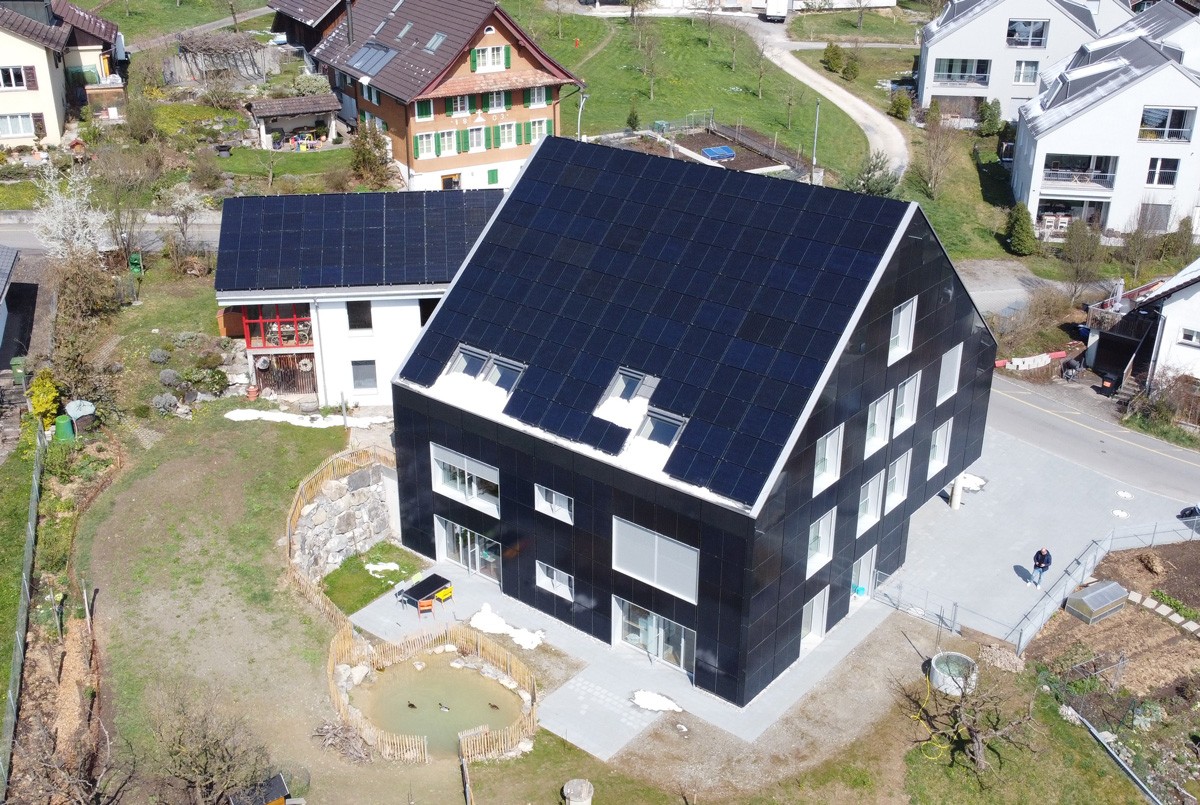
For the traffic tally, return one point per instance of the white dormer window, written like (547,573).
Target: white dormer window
(492,369)
(661,427)
(629,384)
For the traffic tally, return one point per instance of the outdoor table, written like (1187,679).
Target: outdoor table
(423,589)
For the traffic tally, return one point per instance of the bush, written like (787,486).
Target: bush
(311,84)
(184,338)
(43,396)
(1179,243)
(990,120)
(165,403)
(59,461)
(209,360)
(206,173)
(901,106)
(850,68)
(633,122)
(159,356)
(169,378)
(1022,240)
(834,58)
(338,180)
(209,381)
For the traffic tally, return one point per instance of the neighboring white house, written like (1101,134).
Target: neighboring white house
(53,55)
(1178,303)
(1111,140)
(978,50)
(329,291)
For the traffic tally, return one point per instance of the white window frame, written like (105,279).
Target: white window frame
(417,111)
(16,79)
(908,396)
(7,128)
(466,480)
(374,374)
(508,135)
(896,490)
(827,459)
(1167,132)
(1021,74)
(820,541)
(815,611)
(870,503)
(350,324)
(939,447)
(475,141)
(1157,171)
(537,130)
(494,107)
(1189,336)
(904,324)
(425,147)
(489,58)
(447,142)
(1015,41)
(672,560)
(370,93)
(537,97)
(949,373)
(879,420)
(556,581)
(459,106)
(555,504)
(488,367)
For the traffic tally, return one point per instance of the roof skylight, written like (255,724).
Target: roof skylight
(434,41)
(492,369)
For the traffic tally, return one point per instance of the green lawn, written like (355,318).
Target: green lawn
(693,77)
(16,475)
(842,26)
(18,195)
(255,161)
(140,20)
(351,587)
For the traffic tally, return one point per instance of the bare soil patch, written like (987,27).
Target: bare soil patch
(745,159)
(1180,579)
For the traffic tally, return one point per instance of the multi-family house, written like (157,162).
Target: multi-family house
(686,410)
(1110,140)
(53,56)
(981,50)
(330,290)
(460,91)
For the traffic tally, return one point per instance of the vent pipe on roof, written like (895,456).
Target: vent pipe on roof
(349,22)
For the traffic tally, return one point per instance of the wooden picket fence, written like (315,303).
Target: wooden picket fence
(337,466)
(482,743)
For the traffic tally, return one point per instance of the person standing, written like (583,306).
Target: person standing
(1041,563)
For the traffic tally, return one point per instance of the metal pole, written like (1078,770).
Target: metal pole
(812,176)
(583,97)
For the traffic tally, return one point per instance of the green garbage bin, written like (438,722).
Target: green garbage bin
(63,430)
(18,370)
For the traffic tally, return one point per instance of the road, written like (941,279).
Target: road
(19,234)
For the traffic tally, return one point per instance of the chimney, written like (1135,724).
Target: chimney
(349,22)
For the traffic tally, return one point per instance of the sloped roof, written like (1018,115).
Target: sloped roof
(958,13)
(1186,278)
(339,240)
(309,12)
(302,105)
(76,17)
(733,290)
(1100,69)
(49,36)
(8,260)
(406,46)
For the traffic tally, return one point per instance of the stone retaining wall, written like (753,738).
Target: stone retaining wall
(349,516)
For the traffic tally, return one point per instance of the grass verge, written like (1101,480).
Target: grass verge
(842,26)
(351,587)
(16,476)
(256,162)
(18,195)
(140,20)
(1168,432)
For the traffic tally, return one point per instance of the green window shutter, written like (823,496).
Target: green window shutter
(437,145)
(471,103)
(384,124)
(416,147)
(525,93)
(474,59)
(507,56)
(508,99)
(496,135)
(494,176)
(424,108)
(528,132)
(487,137)
(362,117)
(464,141)
(450,106)
(517,134)
(550,127)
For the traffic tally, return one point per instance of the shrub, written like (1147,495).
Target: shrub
(184,338)
(990,120)
(311,84)
(901,106)
(834,58)
(43,396)
(159,356)
(169,378)
(59,460)
(1022,240)
(209,360)
(338,180)
(633,121)
(206,173)
(850,69)
(210,381)
(165,403)
(1179,243)
(141,411)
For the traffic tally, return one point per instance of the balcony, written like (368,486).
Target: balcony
(1179,135)
(1079,179)
(1026,41)
(961,79)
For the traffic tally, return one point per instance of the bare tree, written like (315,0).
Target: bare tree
(737,35)
(122,176)
(1139,245)
(937,153)
(862,6)
(793,97)
(1080,251)
(707,9)
(87,772)
(208,753)
(651,60)
(761,63)
(636,6)
(558,6)
(184,204)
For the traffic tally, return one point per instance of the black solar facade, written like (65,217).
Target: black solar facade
(337,240)
(731,288)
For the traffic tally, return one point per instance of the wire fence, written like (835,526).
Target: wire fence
(12,699)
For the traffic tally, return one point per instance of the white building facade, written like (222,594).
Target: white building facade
(32,93)
(1112,139)
(979,50)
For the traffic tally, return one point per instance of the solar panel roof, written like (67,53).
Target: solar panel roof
(732,289)
(334,240)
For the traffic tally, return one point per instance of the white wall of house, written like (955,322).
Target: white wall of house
(1112,129)
(472,178)
(1179,344)
(984,38)
(48,98)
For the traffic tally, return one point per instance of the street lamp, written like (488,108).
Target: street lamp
(583,96)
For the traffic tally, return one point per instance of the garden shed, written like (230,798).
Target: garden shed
(304,120)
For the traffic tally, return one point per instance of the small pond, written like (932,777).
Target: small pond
(467,693)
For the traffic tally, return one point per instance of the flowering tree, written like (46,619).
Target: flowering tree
(67,219)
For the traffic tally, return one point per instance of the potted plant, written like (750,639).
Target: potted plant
(276,139)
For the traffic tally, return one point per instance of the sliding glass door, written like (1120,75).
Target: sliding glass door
(659,637)
(475,552)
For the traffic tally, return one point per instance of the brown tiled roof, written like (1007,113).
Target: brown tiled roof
(303,105)
(49,36)
(403,66)
(76,17)
(309,12)
(491,82)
